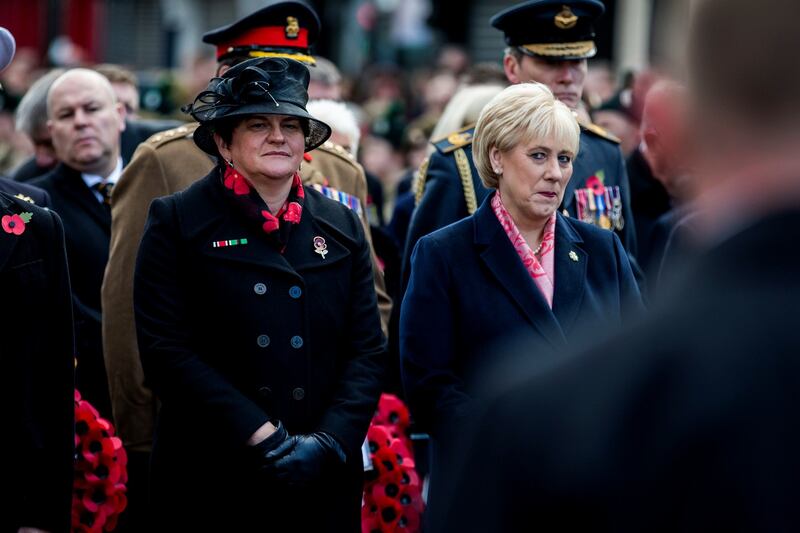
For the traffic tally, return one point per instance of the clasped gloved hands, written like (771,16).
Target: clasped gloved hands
(299,460)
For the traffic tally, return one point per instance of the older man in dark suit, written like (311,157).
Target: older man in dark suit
(691,420)
(85,122)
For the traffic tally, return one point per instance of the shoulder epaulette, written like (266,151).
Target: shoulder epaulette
(164,137)
(454,141)
(599,132)
(333,148)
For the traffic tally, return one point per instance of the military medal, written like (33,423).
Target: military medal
(602,219)
(616,210)
(320,247)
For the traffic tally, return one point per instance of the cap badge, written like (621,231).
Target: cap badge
(565,19)
(292,27)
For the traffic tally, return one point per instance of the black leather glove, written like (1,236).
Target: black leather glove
(304,459)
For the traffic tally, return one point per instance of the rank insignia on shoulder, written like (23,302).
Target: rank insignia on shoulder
(342,197)
(600,132)
(25,198)
(457,139)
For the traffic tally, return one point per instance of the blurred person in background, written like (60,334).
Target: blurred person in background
(601,84)
(616,116)
(169,162)
(31,120)
(688,421)
(125,86)
(326,81)
(516,265)
(659,171)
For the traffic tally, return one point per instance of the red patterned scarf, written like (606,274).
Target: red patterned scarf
(541,269)
(277,227)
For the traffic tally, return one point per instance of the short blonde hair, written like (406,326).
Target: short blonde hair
(521,113)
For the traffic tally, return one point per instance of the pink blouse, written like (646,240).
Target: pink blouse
(542,271)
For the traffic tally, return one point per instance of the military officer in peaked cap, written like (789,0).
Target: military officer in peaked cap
(169,162)
(549,42)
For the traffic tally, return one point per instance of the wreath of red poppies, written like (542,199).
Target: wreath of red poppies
(393,492)
(98,494)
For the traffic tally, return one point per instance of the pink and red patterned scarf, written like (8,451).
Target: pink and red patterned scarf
(278,226)
(540,269)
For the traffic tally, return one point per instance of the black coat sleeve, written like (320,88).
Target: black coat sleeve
(47,487)
(361,378)
(435,391)
(172,369)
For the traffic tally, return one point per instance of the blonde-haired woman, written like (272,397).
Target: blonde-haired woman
(517,266)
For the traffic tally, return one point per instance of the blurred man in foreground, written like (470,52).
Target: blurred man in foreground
(691,420)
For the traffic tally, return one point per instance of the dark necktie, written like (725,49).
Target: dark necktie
(104,188)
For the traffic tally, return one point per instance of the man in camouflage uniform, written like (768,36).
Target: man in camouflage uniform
(169,162)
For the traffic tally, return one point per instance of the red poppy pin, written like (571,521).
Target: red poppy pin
(15,224)
(596,182)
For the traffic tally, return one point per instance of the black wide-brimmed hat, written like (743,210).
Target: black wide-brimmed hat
(260,86)
(556,29)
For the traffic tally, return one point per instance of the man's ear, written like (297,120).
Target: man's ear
(122,115)
(511,68)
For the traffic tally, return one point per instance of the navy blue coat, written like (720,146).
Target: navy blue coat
(469,291)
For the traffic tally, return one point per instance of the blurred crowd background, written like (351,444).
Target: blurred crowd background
(400,63)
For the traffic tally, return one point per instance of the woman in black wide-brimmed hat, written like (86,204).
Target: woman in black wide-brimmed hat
(257,323)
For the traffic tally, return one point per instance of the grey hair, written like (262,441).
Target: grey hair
(31,114)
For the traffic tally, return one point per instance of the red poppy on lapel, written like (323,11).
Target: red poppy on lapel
(15,224)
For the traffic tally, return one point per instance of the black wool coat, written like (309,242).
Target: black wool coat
(233,335)
(36,355)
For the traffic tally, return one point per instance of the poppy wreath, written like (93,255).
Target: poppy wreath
(393,492)
(98,492)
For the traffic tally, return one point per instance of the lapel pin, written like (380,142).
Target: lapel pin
(231,242)
(320,247)
(573,255)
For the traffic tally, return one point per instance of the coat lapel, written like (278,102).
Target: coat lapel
(503,262)
(72,186)
(570,264)
(7,240)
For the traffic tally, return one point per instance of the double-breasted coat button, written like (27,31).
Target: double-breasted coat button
(295,292)
(260,288)
(263,341)
(297,341)
(299,393)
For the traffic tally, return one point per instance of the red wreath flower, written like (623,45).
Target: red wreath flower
(100,472)
(15,224)
(392,496)
(293,212)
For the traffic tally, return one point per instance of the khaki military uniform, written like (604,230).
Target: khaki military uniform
(164,164)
